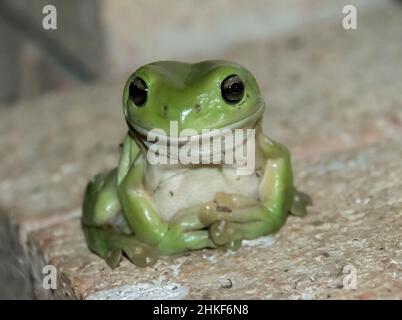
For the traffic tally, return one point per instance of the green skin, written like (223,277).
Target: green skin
(191,95)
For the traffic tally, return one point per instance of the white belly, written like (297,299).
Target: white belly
(174,188)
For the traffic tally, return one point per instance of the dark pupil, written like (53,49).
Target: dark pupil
(232,89)
(138,91)
(236,88)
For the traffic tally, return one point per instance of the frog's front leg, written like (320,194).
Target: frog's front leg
(142,215)
(143,218)
(139,210)
(105,237)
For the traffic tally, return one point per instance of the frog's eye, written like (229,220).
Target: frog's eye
(138,91)
(232,89)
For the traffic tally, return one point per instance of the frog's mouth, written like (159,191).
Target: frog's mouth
(148,137)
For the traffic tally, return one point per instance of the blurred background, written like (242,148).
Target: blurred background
(105,40)
(98,43)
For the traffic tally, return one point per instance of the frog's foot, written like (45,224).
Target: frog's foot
(177,240)
(229,235)
(300,203)
(111,245)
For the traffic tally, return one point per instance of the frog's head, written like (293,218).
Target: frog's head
(205,95)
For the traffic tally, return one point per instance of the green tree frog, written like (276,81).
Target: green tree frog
(143,209)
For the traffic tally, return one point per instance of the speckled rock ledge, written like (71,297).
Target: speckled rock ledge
(356,221)
(334,98)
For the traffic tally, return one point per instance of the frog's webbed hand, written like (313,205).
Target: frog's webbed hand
(225,207)
(200,218)
(212,216)
(141,214)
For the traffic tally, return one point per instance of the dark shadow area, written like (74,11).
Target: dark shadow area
(14,270)
(36,60)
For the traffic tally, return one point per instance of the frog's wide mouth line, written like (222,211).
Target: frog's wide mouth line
(212,132)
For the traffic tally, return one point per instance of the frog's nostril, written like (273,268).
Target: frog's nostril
(164,111)
(197,107)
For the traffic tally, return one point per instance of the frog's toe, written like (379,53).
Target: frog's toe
(139,253)
(209,214)
(113,258)
(305,198)
(300,203)
(233,245)
(225,235)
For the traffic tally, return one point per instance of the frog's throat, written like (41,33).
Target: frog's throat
(249,122)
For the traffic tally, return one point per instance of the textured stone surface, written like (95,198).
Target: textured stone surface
(183,35)
(334,98)
(356,220)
